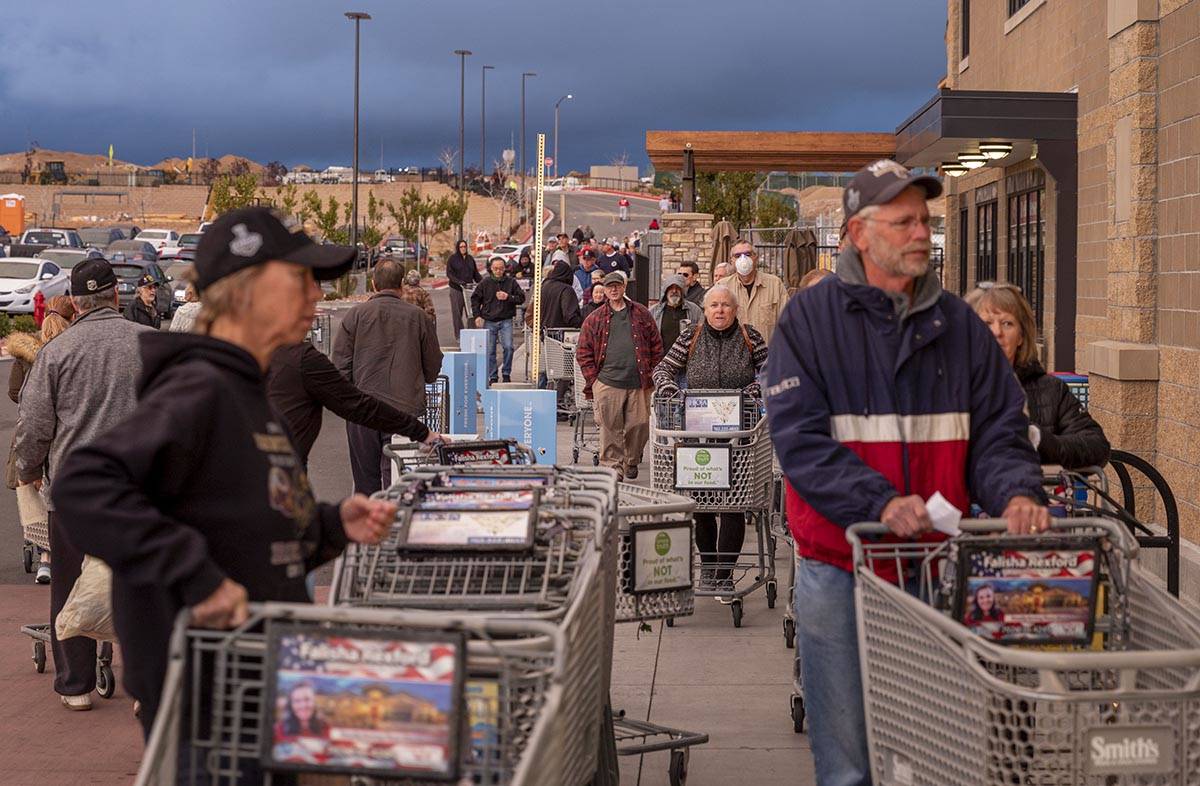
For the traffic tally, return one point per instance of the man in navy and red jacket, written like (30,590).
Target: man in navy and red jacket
(881,390)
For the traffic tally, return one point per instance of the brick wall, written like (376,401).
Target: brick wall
(687,237)
(1178,252)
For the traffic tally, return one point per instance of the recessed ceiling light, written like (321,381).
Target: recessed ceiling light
(972,160)
(995,150)
(953,169)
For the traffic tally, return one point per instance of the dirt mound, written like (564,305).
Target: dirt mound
(74,162)
(224,163)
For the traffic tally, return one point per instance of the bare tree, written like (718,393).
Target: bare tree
(448,157)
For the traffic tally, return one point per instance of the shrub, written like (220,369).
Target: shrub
(24,324)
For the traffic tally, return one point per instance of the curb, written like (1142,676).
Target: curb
(628,194)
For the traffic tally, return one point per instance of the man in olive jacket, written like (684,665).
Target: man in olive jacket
(389,349)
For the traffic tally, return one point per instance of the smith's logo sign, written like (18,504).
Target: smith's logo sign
(1116,750)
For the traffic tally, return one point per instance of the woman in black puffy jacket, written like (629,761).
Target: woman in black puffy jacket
(1061,429)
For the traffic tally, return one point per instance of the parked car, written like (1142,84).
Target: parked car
(159,238)
(190,240)
(52,236)
(67,258)
(100,237)
(21,278)
(203,226)
(183,254)
(177,271)
(131,249)
(130,271)
(510,253)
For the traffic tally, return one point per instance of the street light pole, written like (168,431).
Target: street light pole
(462,88)
(567,97)
(483,119)
(357,16)
(523,75)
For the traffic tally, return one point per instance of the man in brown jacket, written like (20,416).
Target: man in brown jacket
(761,296)
(414,293)
(389,349)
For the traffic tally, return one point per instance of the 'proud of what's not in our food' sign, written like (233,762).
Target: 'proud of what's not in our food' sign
(661,556)
(702,466)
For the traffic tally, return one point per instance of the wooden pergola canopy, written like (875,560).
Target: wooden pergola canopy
(767,151)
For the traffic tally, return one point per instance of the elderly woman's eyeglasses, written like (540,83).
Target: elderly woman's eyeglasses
(998,285)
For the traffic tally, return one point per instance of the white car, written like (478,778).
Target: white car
(160,239)
(52,236)
(21,278)
(510,253)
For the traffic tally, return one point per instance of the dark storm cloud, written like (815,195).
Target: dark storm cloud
(272,79)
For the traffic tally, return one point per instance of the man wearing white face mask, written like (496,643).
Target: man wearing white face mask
(760,295)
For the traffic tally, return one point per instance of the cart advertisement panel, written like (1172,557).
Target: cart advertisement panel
(346,700)
(702,466)
(1031,592)
(661,556)
(712,412)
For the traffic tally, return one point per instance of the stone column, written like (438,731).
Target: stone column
(1124,368)
(686,237)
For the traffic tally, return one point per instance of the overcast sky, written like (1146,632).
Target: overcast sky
(272,79)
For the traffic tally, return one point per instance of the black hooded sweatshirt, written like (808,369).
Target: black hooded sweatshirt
(199,484)
(461,271)
(560,305)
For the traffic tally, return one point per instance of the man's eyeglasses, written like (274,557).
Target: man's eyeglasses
(685,274)
(903,224)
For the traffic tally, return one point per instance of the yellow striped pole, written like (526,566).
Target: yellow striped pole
(536,301)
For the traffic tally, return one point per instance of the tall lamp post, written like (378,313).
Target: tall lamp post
(358,17)
(567,97)
(523,75)
(462,88)
(483,119)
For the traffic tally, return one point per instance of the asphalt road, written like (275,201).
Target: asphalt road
(600,210)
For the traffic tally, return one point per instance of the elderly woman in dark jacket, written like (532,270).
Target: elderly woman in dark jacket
(720,353)
(1061,429)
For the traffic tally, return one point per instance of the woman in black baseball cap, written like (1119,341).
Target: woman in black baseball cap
(198,500)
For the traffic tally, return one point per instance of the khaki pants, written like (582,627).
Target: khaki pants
(623,418)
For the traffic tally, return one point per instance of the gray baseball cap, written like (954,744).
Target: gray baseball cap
(880,183)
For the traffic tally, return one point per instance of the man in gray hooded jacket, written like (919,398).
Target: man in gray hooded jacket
(672,308)
(81,383)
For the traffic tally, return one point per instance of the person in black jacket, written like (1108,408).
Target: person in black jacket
(142,309)
(197,500)
(462,271)
(494,304)
(1060,428)
(302,382)
(594,299)
(560,306)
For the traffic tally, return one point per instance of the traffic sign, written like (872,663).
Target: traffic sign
(549,161)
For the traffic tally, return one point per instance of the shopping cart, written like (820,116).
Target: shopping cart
(211,720)
(558,349)
(738,480)
(1078,385)
(35,528)
(947,706)
(585,432)
(409,456)
(468,291)
(781,534)
(564,579)
(644,516)
(321,332)
(437,405)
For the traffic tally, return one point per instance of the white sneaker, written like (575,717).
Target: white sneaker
(43,573)
(81,703)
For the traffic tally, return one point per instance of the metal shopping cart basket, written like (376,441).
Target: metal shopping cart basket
(321,332)
(410,456)
(585,432)
(558,350)
(437,405)
(724,471)
(211,721)
(947,706)
(562,580)
(658,522)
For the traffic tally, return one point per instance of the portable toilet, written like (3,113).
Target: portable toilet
(12,213)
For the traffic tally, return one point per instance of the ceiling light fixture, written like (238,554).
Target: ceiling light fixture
(953,169)
(995,150)
(972,160)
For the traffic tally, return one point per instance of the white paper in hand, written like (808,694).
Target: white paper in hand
(945,517)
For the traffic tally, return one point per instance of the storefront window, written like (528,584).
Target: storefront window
(1027,247)
(963,229)
(985,242)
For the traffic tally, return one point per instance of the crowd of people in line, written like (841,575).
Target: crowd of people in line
(180,459)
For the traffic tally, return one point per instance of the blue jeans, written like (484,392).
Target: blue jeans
(827,645)
(504,329)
